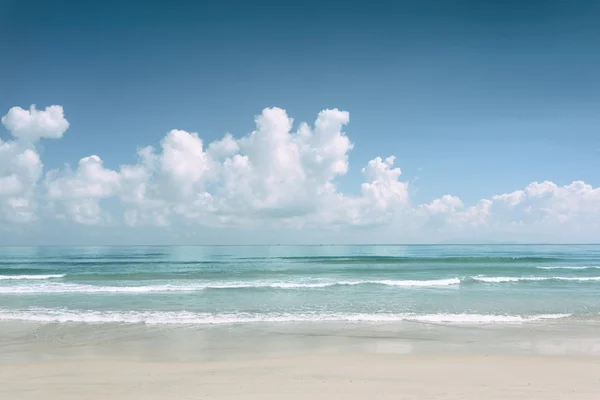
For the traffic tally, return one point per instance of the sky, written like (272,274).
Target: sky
(235,122)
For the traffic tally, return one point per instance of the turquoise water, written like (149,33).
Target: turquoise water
(308,284)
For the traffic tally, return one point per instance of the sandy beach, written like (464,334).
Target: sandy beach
(352,323)
(74,361)
(322,376)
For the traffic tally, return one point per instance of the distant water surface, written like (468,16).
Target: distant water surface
(222,285)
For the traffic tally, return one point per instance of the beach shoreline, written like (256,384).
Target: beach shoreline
(270,323)
(320,376)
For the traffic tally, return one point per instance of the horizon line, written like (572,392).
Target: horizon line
(305,245)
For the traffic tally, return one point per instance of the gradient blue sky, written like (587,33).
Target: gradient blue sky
(474,98)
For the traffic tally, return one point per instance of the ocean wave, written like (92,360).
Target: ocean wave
(65,287)
(190,318)
(19,277)
(503,279)
(104,262)
(406,259)
(406,283)
(73,288)
(572,267)
(80,288)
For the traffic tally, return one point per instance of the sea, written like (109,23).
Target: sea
(528,296)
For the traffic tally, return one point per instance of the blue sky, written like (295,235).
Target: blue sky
(473,98)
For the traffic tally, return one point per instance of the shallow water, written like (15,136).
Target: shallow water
(309,284)
(228,302)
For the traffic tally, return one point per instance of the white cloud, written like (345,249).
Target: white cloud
(225,147)
(77,194)
(540,211)
(445,204)
(276,177)
(383,188)
(511,199)
(548,203)
(270,174)
(184,164)
(20,170)
(20,164)
(33,124)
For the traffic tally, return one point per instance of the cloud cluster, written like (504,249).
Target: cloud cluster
(20,164)
(276,176)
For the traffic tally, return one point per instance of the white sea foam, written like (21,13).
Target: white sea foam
(75,288)
(572,267)
(190,318)
(55,287)
(65,287)
(300,285)
(502,279)
(19,277)
(434,282)
(485,319)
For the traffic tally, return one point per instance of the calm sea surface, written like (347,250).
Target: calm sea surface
(519,285)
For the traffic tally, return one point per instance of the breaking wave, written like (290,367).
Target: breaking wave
(582,267)
(190,318)
(80,288)
(20,277)
(64,287)
(503,279)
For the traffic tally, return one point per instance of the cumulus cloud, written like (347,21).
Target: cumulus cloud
(547,203)
(273,174)
(383,187)
(540,210)
(281,175)
(20,170)
(77,194)
(20,164)
(33,124)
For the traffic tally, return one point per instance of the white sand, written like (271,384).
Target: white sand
(321,376)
